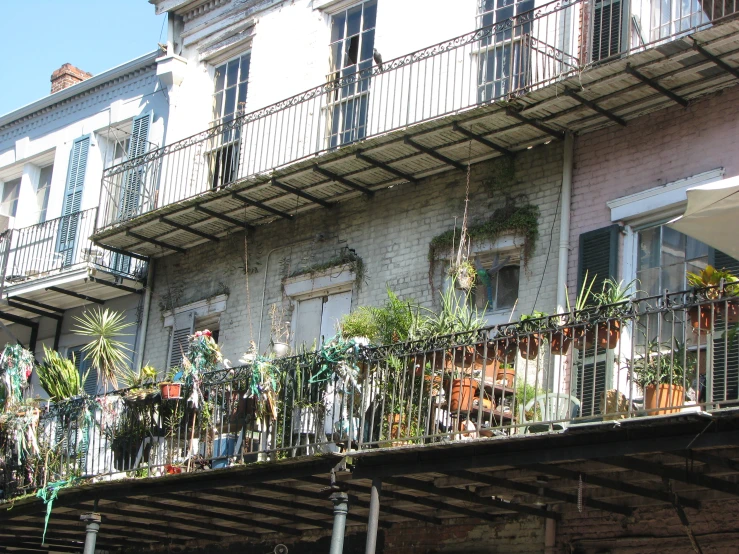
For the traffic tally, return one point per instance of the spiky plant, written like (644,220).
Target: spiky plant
(107,354)
(58,376)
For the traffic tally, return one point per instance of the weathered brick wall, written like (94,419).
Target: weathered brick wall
(654,150)
(391,232)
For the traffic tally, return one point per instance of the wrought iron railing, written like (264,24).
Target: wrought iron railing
(514,56)
(60,245)
(642,358)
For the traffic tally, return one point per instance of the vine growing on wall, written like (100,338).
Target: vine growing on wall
(346,257)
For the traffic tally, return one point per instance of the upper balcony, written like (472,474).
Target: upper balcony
(53,266)
(563,67)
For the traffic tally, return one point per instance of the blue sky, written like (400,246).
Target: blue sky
(38,36)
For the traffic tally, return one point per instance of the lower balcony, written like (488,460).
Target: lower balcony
(53,266)
(484,425)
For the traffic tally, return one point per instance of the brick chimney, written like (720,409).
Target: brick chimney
(66,76)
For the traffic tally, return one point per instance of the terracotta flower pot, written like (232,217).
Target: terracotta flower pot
(608,334)
(170,390)
(663,399)
(463,394)
(503,350)
(528,346)
(561,341)
(584,337)
(701,318)
(396,426)
(732,312)
(505,377)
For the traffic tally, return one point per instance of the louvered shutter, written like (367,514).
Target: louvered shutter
(73,200)
(590,384)
(725,366)
(183,327)
(83,365)
(598,256)
(606,29)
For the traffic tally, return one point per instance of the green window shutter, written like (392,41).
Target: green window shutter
(83,365)
(590,385)
(598,256)
(73,199)
(725,364)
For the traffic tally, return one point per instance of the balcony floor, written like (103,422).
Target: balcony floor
(603,95)
(622,464)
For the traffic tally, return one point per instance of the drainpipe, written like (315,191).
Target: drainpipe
(145,320)
(550,534)
(374,515)
(92,521)
(341,508)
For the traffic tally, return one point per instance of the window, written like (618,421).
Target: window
(83,365)
(504,55)
(185,320)
(606,29)
(229,101)
(42,191)
(9,205)
(671,17)
(316,318)
(351,52)
(497,281)
(73,200)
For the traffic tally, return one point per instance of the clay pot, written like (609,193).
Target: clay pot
(463,394)
(561,341)
(170,391)
(608,335)
(732,312)
(396,426)
(505,349)
(528,346)
(505,377)
(663,398)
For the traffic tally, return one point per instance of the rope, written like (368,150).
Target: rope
(463,234)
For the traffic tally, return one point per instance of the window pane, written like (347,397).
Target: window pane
(230,104)
(368,43)
(649,249)
(232,73)
(241,100)
(220,77)
(353,20)
(508,278)
(42,192)
(695,249)
(245,61)
(352,51)
(218,105)
(337,27)
(10,197)
(673,247)
(370,15)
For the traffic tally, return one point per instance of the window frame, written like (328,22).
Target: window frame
(221,117)
(43,206)
(12,202)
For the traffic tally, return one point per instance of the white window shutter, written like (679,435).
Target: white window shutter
(183,327)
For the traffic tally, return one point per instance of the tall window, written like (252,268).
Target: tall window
(229,101)
(496,286)
(350,53)
(42,191)
(671,17)
(504,54)
(9,205)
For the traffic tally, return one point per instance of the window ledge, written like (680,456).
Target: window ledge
(202,308)
(335,279)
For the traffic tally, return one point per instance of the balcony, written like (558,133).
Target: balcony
(564,67)
(485,401)
(53,266)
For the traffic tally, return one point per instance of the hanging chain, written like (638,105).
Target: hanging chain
(461,254)
(579,495)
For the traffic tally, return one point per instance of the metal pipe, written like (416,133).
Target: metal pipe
(341,508)
(92,527)
(145,320)
(550,535)
(374,515)
(564,223)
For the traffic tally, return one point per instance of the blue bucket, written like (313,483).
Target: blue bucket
(223,447)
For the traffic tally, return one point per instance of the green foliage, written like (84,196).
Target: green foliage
(133,379)
(347,257)
(662,363)
(58,376)
(107,354)
(613,293)
(391,322)
(501,176)
(532,322)
(362,322)
(456,316)
(712,277)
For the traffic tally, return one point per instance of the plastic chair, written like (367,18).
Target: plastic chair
(551,407)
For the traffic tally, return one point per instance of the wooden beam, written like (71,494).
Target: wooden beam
(224,217)
(656,86)
(434,154)
(707,458)
(495,482)
(595,107)
(155,242)
(33,310)
(385,167)
(466,496)
(261,206)
(77,295)
(302,194)
(121,252)
(482,140)
(535,124)
(149,531)
(715,59)
(344,181)
(438,505)
(189,229)
(612,484)
(115,285)
(39,304)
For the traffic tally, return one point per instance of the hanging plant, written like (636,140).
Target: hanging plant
(16,365)
(465,275)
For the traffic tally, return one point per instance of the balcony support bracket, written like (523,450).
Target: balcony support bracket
(76,295)
(38,304)
(122,252)
(715,59)
(261,206)
(155,242)
(434,154)
(300,193)
(482,140)
(346,182)
(595,107)
(656,86)
(224,217)
(189,229)
(115,285)
(510,112)
(387,168)
(33,310)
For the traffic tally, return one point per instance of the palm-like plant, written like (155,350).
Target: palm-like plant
(107,354)
(59,377)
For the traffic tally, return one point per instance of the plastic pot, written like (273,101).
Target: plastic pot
(663,398)
(170,391)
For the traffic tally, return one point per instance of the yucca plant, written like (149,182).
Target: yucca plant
(107,354)
(59,377)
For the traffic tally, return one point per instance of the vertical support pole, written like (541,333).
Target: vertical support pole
(92,521)
(341,508)
(32,340)
(58,332)
(374,515)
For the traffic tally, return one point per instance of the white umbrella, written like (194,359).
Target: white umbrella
(712,215)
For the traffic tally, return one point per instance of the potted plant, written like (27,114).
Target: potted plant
(660,372)
(171,387)
(531,337)
(708,288)
(141,383)
(583,333)
(280,331)
(613,305)
(360,325)
(59,377)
